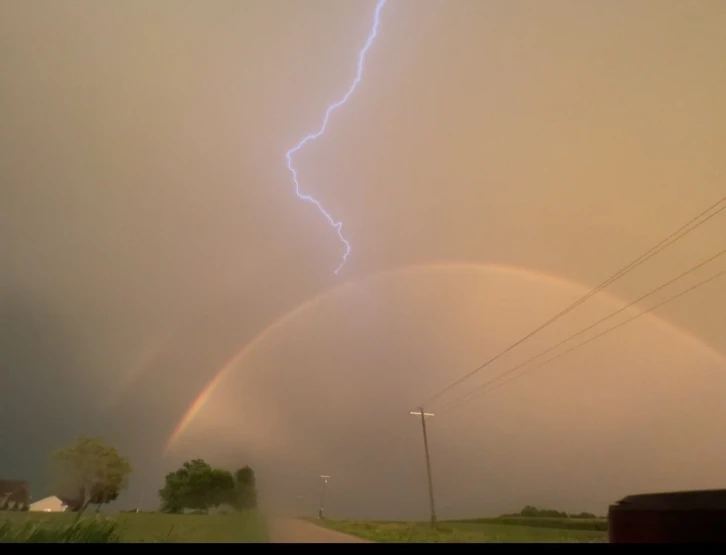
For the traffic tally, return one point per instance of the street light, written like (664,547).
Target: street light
(325,479)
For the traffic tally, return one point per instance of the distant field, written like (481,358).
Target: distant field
(136,528)
(479,531)
(596,524)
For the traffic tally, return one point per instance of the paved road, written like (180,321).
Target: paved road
(290,530)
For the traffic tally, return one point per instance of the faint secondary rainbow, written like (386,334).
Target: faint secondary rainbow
(196,406)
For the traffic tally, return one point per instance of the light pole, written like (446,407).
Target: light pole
(423,416)
(322,497)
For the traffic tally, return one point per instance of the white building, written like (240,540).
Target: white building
(49,505)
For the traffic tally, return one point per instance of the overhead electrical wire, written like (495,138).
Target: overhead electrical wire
(481,390)
(665,243)
(591,326)
(450,408)
(684,230)
(447,410)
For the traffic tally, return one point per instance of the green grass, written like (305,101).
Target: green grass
(132,528)
(27,531)
(594,524)
(463,532)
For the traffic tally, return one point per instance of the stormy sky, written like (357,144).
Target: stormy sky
(498,160)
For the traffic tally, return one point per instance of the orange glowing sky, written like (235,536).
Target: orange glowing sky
(157,271)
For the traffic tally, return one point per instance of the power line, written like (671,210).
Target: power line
(665,243)
(683,230)
(591,326)
(501,384)
(450,408)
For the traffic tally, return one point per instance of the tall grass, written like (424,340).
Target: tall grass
(81,531)
(29,527)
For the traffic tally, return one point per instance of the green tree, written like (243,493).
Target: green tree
(530,511)
(245,489)
(197,486)
(89,471)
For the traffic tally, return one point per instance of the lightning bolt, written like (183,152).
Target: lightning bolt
(308,198)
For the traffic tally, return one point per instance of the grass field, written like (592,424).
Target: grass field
(473,531)
(593,524)
(131,527)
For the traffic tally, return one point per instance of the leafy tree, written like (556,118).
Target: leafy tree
(172,494)
(89,471)
(104,493)
(245,490)
(196,486)
(219,486)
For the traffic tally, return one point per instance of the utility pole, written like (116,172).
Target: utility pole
(423,415)
(322,497)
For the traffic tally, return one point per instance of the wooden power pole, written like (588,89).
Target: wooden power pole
(428,462)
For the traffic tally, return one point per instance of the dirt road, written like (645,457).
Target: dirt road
(290,530)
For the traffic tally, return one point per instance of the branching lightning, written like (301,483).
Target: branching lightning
(308,198)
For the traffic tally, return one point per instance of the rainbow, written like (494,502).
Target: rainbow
(196,406)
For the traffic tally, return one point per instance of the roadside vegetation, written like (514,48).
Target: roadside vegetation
(198,503)
(524,527)
(22,528)
(28,527)
(547,518)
